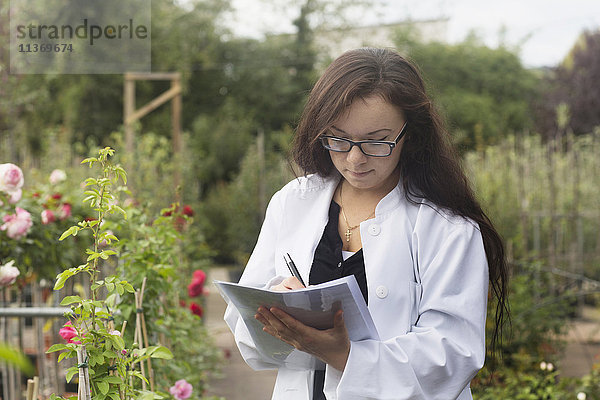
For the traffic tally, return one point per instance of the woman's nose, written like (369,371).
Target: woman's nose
(356,156)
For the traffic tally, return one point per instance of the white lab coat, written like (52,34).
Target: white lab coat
(427,279)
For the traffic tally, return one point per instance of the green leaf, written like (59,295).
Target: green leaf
(65,354)
(113,379)
(147,395)
(103,386)
(129,288)
(90,160)
(71,372)
(119,209)
(109,354)
(56,347)
(90,181)
(16,358)
(118,342)
(62,278)
(139,375)
(93,256)
(70,300)
(160,352)
(71,231)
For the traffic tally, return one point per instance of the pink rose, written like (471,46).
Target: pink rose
(68,332)
(15,196)
(11,178)
(65,211)
(17,225)
(8,274)
(56,176)
(197,286)
(181,390)
(48,217)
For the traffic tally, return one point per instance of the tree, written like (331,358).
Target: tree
(572,83)
(484,93)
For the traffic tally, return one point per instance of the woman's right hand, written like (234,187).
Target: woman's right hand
(290,283)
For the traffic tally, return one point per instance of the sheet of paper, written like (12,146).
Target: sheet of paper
(314,306)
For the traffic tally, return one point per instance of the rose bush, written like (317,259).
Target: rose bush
(158,247)
(33,213)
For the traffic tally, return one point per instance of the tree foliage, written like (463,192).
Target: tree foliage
(572,83)
(484,93)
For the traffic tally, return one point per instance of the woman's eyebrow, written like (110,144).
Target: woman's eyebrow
(367,134)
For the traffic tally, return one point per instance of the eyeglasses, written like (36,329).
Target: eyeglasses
(373,148)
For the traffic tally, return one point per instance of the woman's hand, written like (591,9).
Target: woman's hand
(290,283)
(331,346)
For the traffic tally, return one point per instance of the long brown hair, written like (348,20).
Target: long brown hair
(429,165)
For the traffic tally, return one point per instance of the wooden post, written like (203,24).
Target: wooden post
(39,334)
(128,109)
(84,375)
(131,114)
(176,132)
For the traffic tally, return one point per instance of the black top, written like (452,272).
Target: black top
(328,264)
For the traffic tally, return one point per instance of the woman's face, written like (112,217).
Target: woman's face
(371,118)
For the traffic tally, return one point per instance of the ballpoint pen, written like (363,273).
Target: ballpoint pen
(292,267)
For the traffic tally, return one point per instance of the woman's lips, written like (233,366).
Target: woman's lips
(358,174)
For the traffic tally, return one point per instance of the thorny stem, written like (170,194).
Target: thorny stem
(96,230)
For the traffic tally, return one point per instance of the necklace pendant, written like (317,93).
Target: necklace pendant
(348,234)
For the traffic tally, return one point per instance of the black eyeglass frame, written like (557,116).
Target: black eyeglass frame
(359,143)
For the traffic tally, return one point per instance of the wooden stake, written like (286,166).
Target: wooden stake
(138,333)
(145,335)
(84,375)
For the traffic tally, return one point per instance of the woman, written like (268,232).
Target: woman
(384,199)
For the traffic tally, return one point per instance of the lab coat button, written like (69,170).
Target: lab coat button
(381,292)
(374,229)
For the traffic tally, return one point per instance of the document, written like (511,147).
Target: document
(315,306)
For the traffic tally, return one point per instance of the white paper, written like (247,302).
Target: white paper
(314,306)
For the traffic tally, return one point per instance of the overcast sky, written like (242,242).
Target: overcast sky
(547,28)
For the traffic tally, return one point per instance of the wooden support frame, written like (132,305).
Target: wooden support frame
(131,114)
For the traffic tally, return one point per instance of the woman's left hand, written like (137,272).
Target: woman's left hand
(332,346)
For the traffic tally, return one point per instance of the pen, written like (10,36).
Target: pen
(292,267)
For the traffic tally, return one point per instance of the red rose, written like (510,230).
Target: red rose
(57,196)
(196,309)
(196,287)
(187,210)
(200,275)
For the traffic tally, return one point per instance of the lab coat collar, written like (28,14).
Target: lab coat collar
(388,203)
